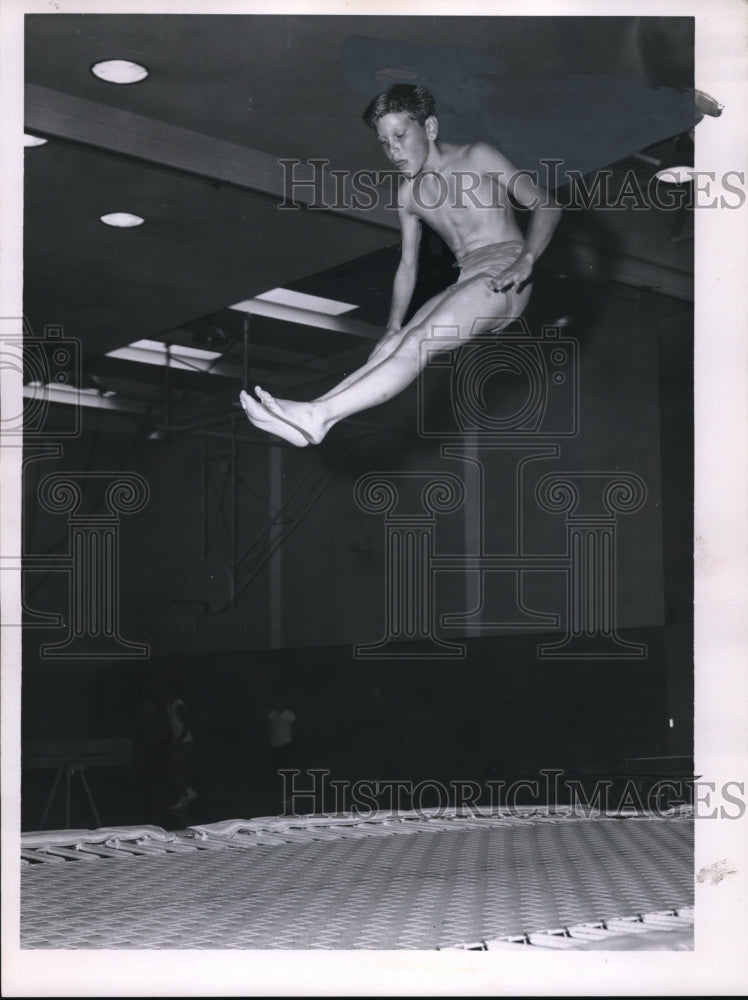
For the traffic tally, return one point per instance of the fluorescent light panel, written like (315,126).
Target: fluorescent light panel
(179,349)
(153,352)
(300,300)
(72,396)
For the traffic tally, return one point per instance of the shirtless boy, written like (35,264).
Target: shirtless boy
(461,192)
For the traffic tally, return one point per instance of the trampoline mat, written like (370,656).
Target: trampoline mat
(350,884)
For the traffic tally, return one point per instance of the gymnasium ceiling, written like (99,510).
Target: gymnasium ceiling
(195,148)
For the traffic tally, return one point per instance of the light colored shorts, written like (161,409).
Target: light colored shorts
(490,260)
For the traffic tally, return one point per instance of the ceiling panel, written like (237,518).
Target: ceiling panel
(202,247)
(588,90)
(297,85)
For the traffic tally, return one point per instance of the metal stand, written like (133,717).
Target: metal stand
(68,770)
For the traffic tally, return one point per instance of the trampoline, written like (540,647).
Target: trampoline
(545,878)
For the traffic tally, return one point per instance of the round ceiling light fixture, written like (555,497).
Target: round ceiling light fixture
(678,174)
(676,164)
(122,220)
(119,71)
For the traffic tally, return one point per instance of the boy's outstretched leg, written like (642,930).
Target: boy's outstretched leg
(467,310)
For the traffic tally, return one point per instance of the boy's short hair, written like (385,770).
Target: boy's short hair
(413,100)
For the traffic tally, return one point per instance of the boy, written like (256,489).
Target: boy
(461,191)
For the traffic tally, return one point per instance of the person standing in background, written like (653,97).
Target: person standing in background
(282,747)
(281,733)
(180,749)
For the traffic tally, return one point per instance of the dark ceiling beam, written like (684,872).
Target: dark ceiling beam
(113,130)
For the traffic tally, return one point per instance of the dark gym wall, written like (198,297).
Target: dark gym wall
(323,590)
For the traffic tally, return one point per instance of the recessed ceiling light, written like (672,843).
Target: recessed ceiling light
(33,140)
(122,220)
(119,71)
(675,175)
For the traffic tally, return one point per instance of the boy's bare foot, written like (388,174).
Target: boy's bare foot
(264,420)
(285,418)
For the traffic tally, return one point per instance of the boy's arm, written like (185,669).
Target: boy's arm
(407,270)
(404,283)
(545,215)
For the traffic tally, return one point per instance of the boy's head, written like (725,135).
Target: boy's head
(403,118)
(414,101)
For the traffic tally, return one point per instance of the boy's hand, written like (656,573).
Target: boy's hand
(516,275)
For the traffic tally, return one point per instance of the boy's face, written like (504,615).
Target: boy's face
(406,144)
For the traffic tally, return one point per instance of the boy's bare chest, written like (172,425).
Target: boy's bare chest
(456,198)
